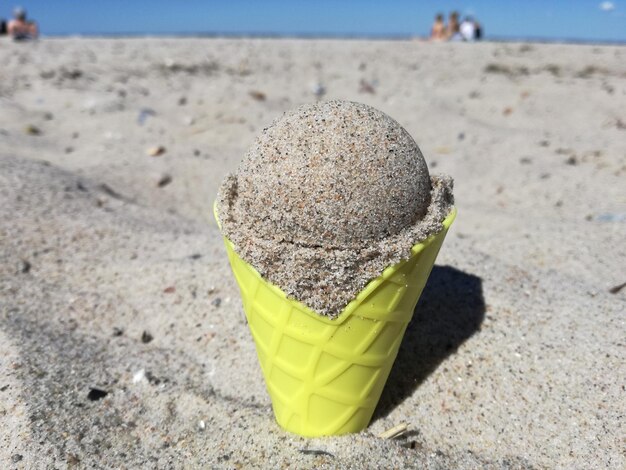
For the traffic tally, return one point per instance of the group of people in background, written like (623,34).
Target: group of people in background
(19,28)
(467,30)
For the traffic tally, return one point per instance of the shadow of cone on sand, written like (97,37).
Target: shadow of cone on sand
(450,310)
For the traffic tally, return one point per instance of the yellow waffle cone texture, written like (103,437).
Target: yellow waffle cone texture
(325,376)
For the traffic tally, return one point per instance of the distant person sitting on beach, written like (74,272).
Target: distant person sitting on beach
(453,30)
(19,28)
(468,29)
(479,30)
(438,31)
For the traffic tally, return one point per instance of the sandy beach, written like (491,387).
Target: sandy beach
(123,343)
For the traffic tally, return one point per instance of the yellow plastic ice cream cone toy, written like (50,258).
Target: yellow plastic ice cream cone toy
(325,376)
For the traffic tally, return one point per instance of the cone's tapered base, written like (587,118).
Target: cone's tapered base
(325,376)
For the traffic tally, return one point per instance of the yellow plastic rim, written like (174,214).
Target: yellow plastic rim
(371,285)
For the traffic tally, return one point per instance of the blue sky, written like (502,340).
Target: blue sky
(556,19)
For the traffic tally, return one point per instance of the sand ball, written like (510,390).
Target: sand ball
(331,174)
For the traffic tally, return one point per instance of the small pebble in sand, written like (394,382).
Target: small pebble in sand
(327,197)
(26,265)
(146,337)
(258,95)
(155,151)
(164,180)
(144,114)
(319,90)
(32,130)
(139,376)
(96,394)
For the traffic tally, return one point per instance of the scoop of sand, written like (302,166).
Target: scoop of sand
(327,197)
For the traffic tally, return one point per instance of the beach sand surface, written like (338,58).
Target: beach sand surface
(123,342)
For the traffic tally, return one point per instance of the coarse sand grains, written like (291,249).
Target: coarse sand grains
(327,197)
